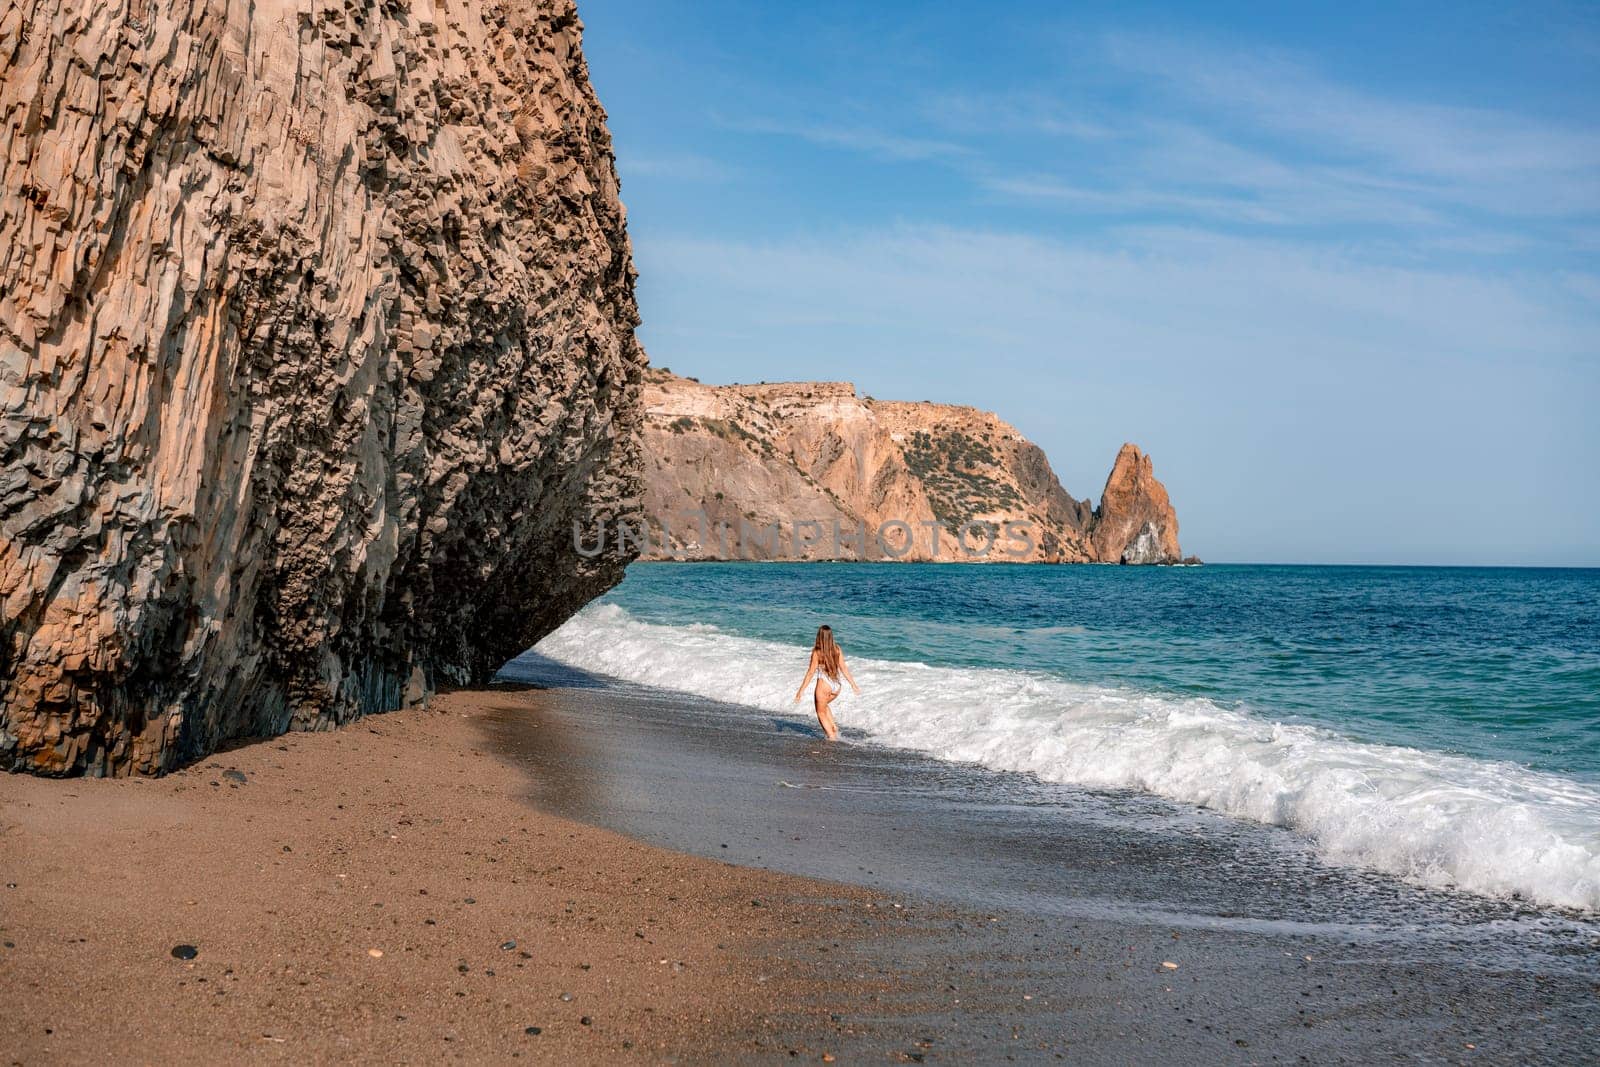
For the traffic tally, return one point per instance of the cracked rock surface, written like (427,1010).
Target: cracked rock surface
(316,337)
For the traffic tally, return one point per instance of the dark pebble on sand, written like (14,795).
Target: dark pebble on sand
(233,776)
(534,1030)
(471,900)
(586,1021)
(755,903)
(507,946)
(184,952)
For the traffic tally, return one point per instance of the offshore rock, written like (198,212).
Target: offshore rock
(316,337)
(1135,522)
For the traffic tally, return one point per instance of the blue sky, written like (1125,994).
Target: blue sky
(1338,271)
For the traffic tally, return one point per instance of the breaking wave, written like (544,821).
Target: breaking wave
(1494,828)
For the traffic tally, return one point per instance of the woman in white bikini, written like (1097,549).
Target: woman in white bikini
(827,663)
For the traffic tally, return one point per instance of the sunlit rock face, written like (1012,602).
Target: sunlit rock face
(752,458)
(316,336)
(1135,522)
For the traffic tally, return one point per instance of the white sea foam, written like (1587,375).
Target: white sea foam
(1493,828)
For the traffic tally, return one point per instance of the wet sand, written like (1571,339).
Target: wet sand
(1103,926)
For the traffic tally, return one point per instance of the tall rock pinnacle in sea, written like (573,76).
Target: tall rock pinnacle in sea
(316,335)
(1135,522)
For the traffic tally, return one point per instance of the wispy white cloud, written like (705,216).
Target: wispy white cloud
(1586,287)
(1494,160)
(676,166)
(1032,113)
(1224,185)
(879,143)
(1172,287)
(1231,137)
(1131,200)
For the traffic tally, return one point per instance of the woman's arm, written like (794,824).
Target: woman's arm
(844,669)
(811,668)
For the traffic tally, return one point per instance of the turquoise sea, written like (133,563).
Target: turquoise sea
(1439,724)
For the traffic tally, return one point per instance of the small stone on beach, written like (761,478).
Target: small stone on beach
(184,952)
(507,946)
(1169,965)
(534,1030)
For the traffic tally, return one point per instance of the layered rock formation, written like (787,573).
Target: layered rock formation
(316,336)
(809,470)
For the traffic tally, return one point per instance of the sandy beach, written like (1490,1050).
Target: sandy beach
(384,893)
(578,872)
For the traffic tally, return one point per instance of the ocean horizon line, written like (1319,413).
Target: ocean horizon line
(1169,566)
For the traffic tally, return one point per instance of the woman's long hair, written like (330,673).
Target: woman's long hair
(828,657)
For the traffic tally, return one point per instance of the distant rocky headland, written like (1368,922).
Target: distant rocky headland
(811,471)
(316,335)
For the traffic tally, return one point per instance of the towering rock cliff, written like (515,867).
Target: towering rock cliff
(809,470)
(316,336)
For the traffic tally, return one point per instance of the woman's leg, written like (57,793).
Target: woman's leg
(824,696)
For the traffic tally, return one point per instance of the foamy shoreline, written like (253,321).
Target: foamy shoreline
(1434,819)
